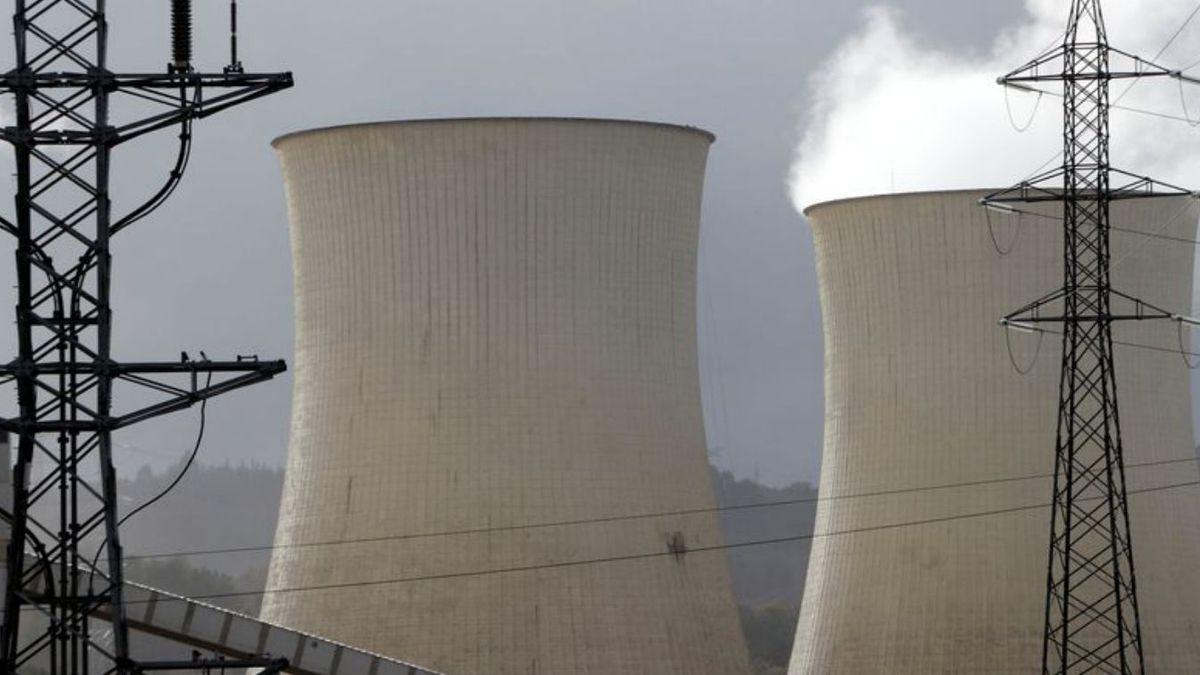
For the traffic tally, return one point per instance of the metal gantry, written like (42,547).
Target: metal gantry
(1092,620)
(64,137)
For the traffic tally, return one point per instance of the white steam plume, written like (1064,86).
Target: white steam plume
(891,114)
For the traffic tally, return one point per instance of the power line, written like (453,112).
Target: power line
(1152,235)
(1143,111)
(1153,348)
(1177,33)
(644,516)
(1189,67)
(1136,345)
(1114,228)
(641,556)
(1084,621)
(1134,82)
(187,465)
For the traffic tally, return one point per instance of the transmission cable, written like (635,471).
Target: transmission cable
(1125,108)
(1163,50)
(1189,67)
(1020,129)
(1184,208)
(1037,351)
(1178,32)
(638,556)
(992,233)
(174,178)
(1187,115)
(1165,350)
(1183,352)
(187,465)
(1132,83)
(1155,234)
(642,516)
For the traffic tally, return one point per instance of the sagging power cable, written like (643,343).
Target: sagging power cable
(174,178)
(1022,128)
(987,213)
(1183,351)
(1037,351)
(191,460)
(640,516)
(639,556)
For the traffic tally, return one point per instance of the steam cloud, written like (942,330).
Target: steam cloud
(892,114)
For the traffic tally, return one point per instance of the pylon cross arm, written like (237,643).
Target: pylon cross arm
(1049,187)
(1104,63)
(1051,309)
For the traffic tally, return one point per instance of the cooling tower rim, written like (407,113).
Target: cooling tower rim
(436,120)
(843,201)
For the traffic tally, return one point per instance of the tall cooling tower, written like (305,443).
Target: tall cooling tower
(496,387)
(932,536)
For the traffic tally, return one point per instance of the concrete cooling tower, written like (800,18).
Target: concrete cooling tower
(496,388)
(933,531)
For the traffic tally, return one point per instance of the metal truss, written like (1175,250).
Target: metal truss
(63,140)
(1092,621)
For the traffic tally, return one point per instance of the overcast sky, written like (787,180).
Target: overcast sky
(212,270)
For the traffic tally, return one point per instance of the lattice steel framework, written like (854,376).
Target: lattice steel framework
(63,140)
(1092,620)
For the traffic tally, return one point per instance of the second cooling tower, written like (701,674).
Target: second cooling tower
(933,530)
(497,398)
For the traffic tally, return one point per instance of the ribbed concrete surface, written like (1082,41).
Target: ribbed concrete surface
(495,327)
(920,393)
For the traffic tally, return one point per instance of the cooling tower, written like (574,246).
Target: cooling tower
(932,536)
(496,388)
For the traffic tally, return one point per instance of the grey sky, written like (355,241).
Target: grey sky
(212,270)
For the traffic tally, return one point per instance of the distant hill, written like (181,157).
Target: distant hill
(213,507)
(771,573)
(768,580)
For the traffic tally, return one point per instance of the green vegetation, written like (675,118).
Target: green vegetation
(769,632)
(213,507)
(768,581)
(179,576)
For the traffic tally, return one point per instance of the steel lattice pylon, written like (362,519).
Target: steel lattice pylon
(1092,619)
(63,141)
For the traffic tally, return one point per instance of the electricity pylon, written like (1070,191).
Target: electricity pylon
(64,136)
(1092,620)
